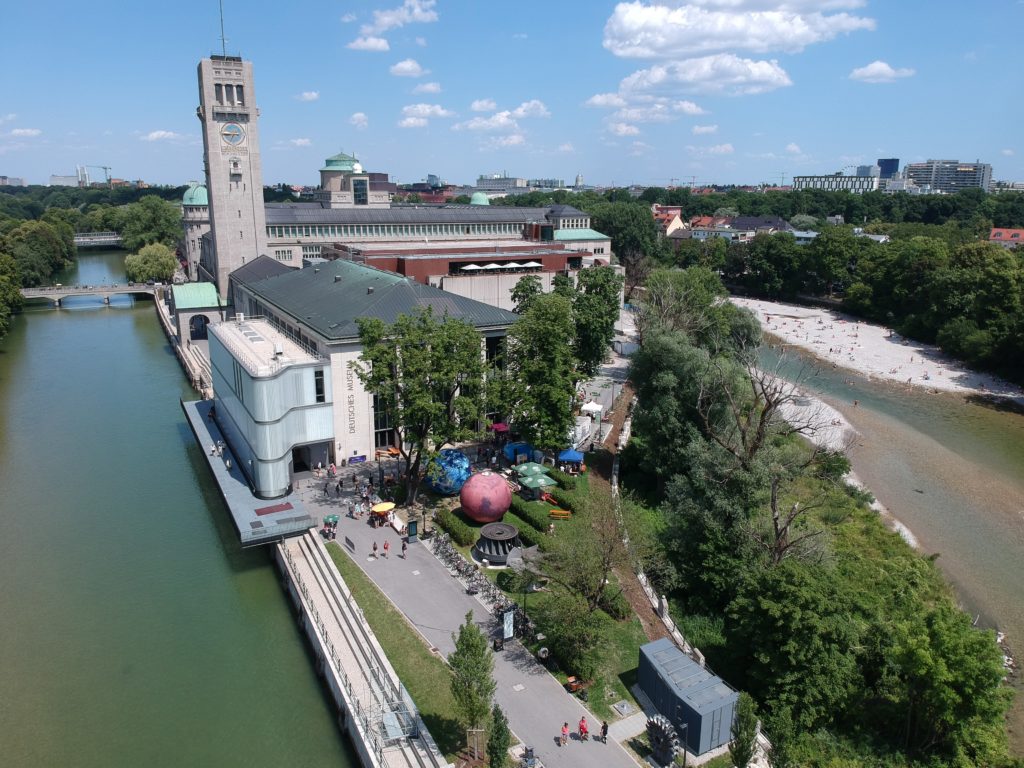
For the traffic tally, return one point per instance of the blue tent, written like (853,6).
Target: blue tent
(512,450)
(571,456)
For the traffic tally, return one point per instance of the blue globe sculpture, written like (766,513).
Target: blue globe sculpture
(448,472)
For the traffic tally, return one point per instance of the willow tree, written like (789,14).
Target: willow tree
(427,375)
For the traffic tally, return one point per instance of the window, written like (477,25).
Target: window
(318,385)
(383,433)
(218,90)
(238,96)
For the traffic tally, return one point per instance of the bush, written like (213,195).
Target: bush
(566,499)
(461,533)
(528,535)
(531,513)
(564,479)
(615,603)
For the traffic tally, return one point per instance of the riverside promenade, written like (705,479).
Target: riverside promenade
(436,604)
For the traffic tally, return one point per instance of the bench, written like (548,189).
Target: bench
(559,514)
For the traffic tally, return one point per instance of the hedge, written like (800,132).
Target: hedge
(528,535)
(566,499)
(458,530)
(534,515)
(564,479)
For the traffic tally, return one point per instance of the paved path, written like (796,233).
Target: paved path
(436,603)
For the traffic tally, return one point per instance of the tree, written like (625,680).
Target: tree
(744,732)
(524,292)
(10,296)
(472,664)
(540,380)
(803,221)
(499,740)
(151,220)
(40,249)
(635,237)
(595,310)
(427,375)
(152,262)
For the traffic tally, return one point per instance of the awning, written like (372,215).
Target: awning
(512,265)
(591,407)
(470,267)
(499,426)
(531,468)
(537,481)
(533,264)
(571,456)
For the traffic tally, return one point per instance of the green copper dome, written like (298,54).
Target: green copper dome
(479,198)
(195,195)
(343,163)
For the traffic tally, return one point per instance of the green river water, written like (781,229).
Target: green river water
(133,630)
(952,472)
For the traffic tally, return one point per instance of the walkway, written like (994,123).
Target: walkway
(379,712)
(436,604)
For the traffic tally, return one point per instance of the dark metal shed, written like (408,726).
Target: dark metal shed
(699,704)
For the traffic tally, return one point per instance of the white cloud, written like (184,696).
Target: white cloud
(7,118)
(520,36)
(879,72)
(369,43)
(699,130)
(28,132)
(659,112)
(722,72)
(409,12)
(639,30)
(499,121)
(308,96)
(500,142)
(161,136)
(638,148)
(300,142)
(359,120)
(567,147)
(531,108)
(426,110)
(348,18)
(408,68)
(421,42)
(688,108)
(483,105)
(606,100)
(623,129)
(413,122)
(427,88)
(1007,152)
(721,149)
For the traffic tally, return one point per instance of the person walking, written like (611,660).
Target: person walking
(604,731)
(387,546)
(375,550)
(405,547)
(584,730)
(565,734)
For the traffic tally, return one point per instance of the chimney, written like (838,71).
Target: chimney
(337,278)
(369,289)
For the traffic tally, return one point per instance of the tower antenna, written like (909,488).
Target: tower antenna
(223,40)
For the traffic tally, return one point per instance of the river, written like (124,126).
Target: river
(952,471)
(135,631)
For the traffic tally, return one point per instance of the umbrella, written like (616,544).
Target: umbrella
(531,468)
(499,426)
(470,267)
(537,481)
(571,456)
(383,508)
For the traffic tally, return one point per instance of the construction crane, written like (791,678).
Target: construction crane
(83,174)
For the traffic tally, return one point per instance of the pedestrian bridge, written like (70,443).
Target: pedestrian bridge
(98,240)
(55,294)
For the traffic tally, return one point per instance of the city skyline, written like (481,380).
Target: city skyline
(744,91)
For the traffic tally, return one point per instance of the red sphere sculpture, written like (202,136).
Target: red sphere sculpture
(485,497)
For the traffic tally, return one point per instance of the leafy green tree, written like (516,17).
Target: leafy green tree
(524,292)
(499,740)
(472,664)
(540,382)
(574,632)
(829,258)
(40,249)
(427,374)
(803,221)
(151,220)
(595,310)
(10,296)
(635,237)
(744,730)
(152,262)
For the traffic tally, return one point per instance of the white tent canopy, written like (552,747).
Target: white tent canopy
(592,407)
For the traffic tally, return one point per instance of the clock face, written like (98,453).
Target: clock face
(232,133)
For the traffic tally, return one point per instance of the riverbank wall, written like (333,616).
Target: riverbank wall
(193,362)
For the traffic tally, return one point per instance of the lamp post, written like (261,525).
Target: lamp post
(686,727)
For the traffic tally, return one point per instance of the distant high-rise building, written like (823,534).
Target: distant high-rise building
(63,181)
(500,182)
(889,167)
(950,176)
(231,156)
(546,183)
(869,170)
(12,181)
(579,181)
(433,180)
(837,183)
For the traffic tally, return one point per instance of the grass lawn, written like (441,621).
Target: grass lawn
(426,676)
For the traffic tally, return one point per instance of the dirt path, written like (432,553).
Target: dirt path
(600,481)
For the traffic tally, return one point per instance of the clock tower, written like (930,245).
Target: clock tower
(231,157)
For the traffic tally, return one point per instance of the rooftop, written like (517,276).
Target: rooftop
(261,348)
(195,296)
(703,691)
(315,213)
(328,298)
(579,234)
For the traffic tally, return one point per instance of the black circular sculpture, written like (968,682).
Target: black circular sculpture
(496,541)
(663,738)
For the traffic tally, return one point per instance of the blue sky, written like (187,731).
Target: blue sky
(727,91)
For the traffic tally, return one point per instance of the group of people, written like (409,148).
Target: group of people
(387,548)
(584,732)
